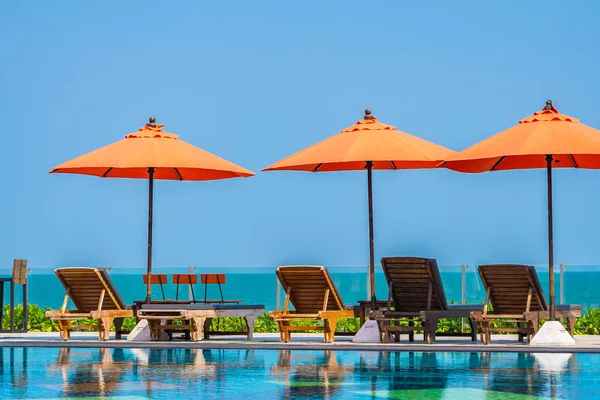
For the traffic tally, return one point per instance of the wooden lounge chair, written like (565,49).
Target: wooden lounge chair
(416,293)
(312,293)
(516,296)
(95,297)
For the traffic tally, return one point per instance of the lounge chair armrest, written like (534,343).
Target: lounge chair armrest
(275,314)
(57,313)
(54,313)
(377,314)
(476,315)
(336,314)
(111,314)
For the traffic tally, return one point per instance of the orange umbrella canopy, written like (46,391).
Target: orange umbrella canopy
(525,145)
(152,153)
(151,147)
(366,145)
(547,139)
(366,140)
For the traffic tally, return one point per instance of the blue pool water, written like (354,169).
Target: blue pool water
(258,285)
(269,374)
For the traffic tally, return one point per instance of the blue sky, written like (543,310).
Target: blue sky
(256,81)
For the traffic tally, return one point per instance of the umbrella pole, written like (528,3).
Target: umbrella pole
(150,207)
(369,167)
(549,160)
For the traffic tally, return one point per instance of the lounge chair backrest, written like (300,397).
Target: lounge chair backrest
(510,285)
(410,277)
(308,285)
(85,285)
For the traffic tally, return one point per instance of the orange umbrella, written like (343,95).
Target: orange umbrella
(547,139)
(368,144)
(152,153)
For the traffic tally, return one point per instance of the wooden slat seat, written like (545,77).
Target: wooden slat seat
(516,295)
(312,293)
(416,293)
(95,297)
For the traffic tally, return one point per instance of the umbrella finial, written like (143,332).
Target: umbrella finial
(152,122)
(549,105)
(368,114)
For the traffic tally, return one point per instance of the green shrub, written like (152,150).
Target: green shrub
(37,320)
(588,323)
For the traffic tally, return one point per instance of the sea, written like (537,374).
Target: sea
(258,285)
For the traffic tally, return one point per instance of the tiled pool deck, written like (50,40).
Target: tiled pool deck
(500,343)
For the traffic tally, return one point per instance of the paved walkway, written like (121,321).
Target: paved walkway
(300,341)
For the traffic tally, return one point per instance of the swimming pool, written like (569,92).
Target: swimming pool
(270,374)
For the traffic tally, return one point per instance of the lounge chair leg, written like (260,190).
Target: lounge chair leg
(104,331)
(473,329)
(63,326)
(426,331)
(206,327)
(384,332)
(571,325)
(197,327)
(282,330)
(534,323)
(387,336)
(484,332)
(330,324)
(428,337)
(429,328)
(154,329)
(65,335)
(523,329)
(118,327)
(250,323)
(284,333)
(288,334)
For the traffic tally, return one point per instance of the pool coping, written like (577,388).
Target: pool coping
(465,347)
